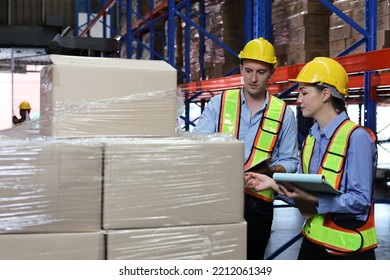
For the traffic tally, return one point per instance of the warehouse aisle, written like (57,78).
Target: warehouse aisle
(288,222)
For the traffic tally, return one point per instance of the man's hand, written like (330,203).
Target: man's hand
(266,169)
(260,182)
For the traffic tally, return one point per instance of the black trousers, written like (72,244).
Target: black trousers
(258,215)
(312,251)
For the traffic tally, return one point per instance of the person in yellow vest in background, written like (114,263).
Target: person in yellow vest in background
(266,126)
(24,111)
(338,226)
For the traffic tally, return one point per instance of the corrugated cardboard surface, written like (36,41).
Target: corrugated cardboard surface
(207,242)
(50,186)
(171,182)
(61,246)
(83,96)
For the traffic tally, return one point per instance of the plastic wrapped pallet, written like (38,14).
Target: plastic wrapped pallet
(172,181)
(50,186)
(203,242)
(89,97)
(52,246)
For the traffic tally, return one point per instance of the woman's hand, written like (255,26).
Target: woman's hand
(295,193)
(304,201)
(260,182)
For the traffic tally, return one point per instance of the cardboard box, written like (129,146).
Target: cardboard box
(300,20)
(50,186)
(61,246)
(383,8)
(203,242)
(311,34)
(305,56)
(340,32)
(93,96)
(172,181)
(336,47)
(348,4)
(383,23)
(306,6)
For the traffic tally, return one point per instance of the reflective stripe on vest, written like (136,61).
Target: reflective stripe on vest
(229,117)
(267,132)
(320,228)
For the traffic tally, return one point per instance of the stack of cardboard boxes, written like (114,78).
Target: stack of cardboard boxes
(224,21)
(342,35)
(300,30)
(108,176)
(50,206)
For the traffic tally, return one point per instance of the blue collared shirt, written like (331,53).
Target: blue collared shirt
(286,148)
(359,171)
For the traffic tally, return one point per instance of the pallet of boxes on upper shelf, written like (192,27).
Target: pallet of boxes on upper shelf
(106,173)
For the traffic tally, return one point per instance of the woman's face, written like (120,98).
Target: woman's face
(310,100)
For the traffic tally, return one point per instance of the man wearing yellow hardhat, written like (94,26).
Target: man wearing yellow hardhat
(342,226)
(24,111)
(266,126)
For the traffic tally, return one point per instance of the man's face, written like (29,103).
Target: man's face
(23,113)
(256,75)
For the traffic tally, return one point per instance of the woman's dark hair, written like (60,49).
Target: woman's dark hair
(337,103)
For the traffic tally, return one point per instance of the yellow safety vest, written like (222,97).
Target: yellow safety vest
(320,228)
(267,133)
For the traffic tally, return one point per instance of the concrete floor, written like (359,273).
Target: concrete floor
(288,223)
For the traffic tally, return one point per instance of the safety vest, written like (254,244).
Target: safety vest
(320,228)
(267,133)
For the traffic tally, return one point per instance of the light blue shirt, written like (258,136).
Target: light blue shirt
(285,152)
(359,171)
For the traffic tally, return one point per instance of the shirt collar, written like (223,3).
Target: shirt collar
(330,128)
(243,101)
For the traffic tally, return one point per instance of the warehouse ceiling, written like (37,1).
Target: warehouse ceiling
(17,60)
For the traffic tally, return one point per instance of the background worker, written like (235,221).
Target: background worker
(24,112)
(266,126)
(339,226)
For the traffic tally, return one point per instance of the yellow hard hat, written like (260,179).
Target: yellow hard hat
(324,70)
(259,49)
(25,105)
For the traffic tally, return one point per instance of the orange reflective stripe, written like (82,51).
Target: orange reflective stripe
(266,195)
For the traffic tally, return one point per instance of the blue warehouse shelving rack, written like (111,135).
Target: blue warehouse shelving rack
(368,83)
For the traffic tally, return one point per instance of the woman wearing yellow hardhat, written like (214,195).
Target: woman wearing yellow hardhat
(339,226)
(266,126)
(24,111)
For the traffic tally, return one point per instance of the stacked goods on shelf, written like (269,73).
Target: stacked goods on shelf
(107,171)
(342,35)
(224,20)
(300,30)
